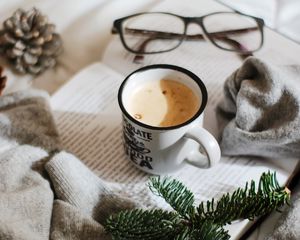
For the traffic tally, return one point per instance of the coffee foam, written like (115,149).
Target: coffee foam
(163,103)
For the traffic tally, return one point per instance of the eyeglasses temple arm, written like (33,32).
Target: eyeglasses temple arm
(168,35)
(221,33)
(244,52)
(165,35)
(138,58)
(114,30)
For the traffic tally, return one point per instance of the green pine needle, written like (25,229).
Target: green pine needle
(207,230)
(175,194)
(144,225)
(246,203)
(204,222)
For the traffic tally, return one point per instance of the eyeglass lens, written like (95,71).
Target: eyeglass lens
(153,32)
(233,31)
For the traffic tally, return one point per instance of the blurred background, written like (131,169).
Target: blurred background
(85,27)
(280,15)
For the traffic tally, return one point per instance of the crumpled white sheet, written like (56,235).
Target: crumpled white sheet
(281,15)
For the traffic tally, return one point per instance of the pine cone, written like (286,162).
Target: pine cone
(29,42)
(2,81)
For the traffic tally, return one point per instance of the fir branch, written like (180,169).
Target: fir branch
(246,203)
(158,224)
(208,230)
(144,225)
(202,223)
(175,194)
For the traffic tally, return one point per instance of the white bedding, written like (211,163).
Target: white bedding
(281,15)
(85,28)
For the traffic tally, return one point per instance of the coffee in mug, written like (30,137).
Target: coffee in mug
(163,103)
(162,108)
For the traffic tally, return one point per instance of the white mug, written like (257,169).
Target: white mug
(160,150)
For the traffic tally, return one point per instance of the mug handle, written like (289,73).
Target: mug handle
(208,144)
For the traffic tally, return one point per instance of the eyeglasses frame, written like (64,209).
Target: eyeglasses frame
(118,29)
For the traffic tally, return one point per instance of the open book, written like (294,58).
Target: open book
(89,119)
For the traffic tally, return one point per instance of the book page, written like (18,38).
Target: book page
(89,121)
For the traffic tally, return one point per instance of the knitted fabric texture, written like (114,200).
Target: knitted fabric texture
(30,163)
(260,111)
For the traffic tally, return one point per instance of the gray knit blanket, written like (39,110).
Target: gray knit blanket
(261,110)
(260,116)
(46,193)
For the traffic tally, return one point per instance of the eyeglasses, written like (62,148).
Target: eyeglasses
(158,32)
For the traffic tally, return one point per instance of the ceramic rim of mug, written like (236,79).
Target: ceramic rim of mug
(172,67)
